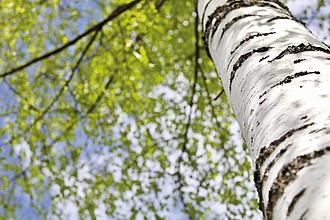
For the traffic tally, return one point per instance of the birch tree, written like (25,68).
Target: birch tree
(276,76)
(111,109)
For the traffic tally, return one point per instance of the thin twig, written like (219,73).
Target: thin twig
(89,110)
(184,145)
(62,89)
(21,96)
(210,100)
(218,96)
(98,98)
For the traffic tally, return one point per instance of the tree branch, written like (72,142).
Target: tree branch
(119,10)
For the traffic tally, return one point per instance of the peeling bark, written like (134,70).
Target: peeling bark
(276,76)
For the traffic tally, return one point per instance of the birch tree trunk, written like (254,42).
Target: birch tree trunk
(276,75)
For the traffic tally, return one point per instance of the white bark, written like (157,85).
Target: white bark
(276,76)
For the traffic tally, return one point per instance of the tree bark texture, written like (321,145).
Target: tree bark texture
(276,75)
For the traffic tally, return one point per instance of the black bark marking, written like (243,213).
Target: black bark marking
(262,94)
(279,17)
(303,216)
(270,165)
(263,58)
(257,181)
(288,18)
(289,79)
(242,59)
(222,11)
(262,102)
(203,16)
(289,173)
(282,6)
(294,201)
(326,45)
(318,130)
(299,49)
(250,38)
(231,23)
(304,117)
(264,153)
(299,61)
